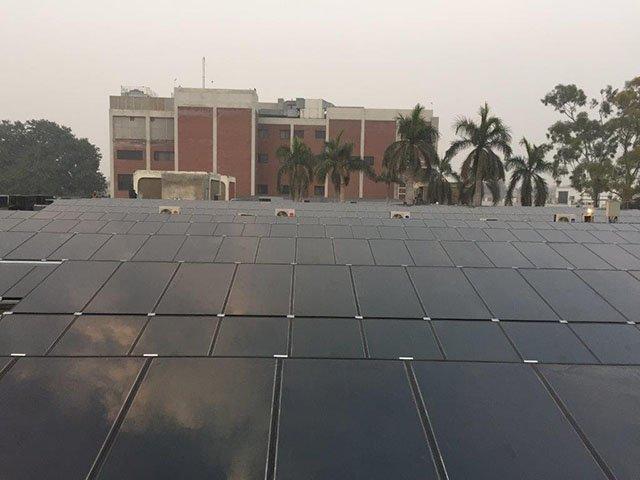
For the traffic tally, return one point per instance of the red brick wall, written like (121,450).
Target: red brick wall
(127,166)
(351,129)
(195,139)
(161,146)
(266,173)
(378,135)
(234,146)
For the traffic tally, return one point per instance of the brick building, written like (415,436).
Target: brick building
(232,133)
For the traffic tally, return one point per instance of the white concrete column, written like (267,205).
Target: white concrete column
(112,160)
(253,152)
(176,149)
(214,141)
(326,177)
(291,132)
(147,121)
(361,175)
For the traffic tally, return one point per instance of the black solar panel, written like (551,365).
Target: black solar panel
(226,342)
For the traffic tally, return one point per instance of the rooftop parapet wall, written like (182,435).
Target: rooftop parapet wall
(117,102)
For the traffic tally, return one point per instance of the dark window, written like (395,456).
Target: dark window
(285,189)
(130,155)
(263,133)
(163,156)
(285,134)
(132,119)
(368,161)
(321,134)
(262,189)
(298,133)
(125,181)
(563,197)
(263,158)
(318,190)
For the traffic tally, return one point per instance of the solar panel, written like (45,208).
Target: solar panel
(497,421)
(177,336)
(67,399)
(227,342)
(592,396)
(352,394)
(323,290)
(197,406)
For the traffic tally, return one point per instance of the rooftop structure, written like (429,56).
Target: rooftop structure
(229,342)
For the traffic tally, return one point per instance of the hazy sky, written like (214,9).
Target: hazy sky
(61,60)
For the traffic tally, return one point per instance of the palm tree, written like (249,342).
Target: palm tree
(483,139)
(389,178)
(338,162)
(415,150)
(528,172)
(436,181)
(297,164)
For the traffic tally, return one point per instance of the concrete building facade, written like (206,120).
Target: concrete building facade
(231,133)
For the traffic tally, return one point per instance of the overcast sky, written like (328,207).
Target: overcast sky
(61,60)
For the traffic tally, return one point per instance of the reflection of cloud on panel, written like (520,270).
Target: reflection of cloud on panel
(85,383)
(215,413)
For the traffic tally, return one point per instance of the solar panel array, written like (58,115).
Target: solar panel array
(226,342)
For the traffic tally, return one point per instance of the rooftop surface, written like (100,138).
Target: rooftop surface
(226,342)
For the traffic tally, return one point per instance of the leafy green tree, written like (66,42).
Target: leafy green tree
(415,150)
(297,164)
(623,108)
(484,139)
(338,163)
(39,157)
(528,171)
(624,181)
(585,141)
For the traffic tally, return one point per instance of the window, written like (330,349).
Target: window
(262,189)
(263,158)
(318,190)
(125,181)
(298,133)
(163,156)
(368,161)
(285,134)
(321,134)
(263,133)
(130,155)
(563,197)
(285,189)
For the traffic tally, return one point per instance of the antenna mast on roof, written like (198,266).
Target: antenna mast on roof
(203,71)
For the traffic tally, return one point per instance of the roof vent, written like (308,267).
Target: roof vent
(285,212)
(564,218)
(171,209)
(400,214)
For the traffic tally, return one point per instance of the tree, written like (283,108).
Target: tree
(338,163)
(528,170)
(624,181)
(297,165)
(389,178)
(39,157)
(585,142)
(415,150)
(436,180)
(484,139)
(623,106)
